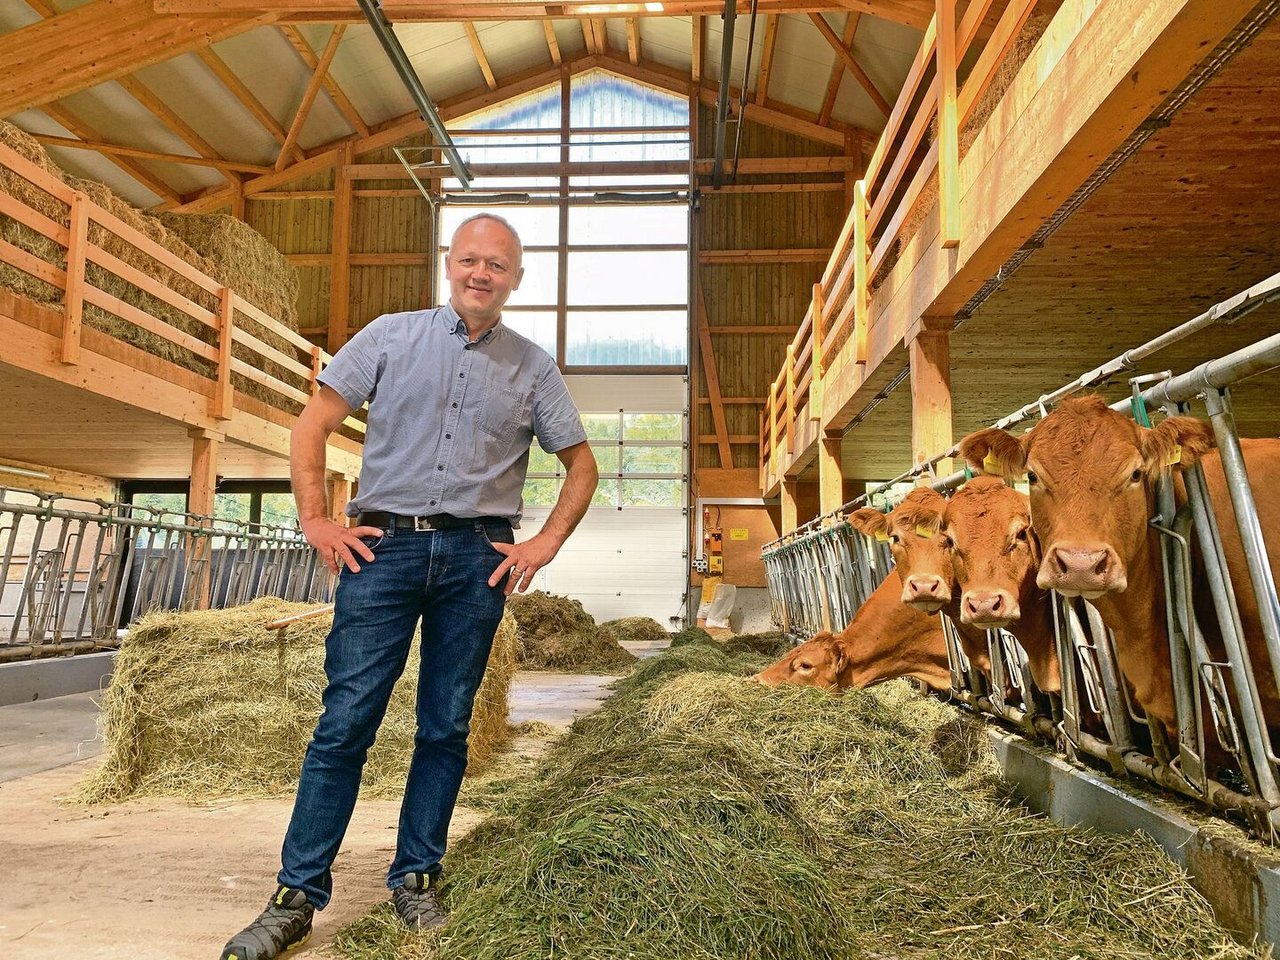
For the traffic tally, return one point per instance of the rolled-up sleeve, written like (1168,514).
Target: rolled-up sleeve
(354,371)
(556,421)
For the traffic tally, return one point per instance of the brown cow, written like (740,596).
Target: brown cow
(923,562)
(885,639)
(994,558)
(1091,473)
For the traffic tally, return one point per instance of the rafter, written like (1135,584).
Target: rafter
(602,34)
(42,7)
(345,106)
(633,40)
(310,94)
(85,132)
(766,57)
(588,34)
(247,100)
(481,59)
(844,54)
(699,41)
(837,70)
(171,120)
(100,41)
(553,45)
(119,150)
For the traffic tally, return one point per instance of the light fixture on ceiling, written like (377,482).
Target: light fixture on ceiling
(24,472)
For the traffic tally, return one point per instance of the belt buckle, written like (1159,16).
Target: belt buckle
(422,524)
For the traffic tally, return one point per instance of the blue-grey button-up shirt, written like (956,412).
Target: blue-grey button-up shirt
(450,420)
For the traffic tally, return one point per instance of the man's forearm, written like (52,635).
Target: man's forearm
(306,471)
(575,496)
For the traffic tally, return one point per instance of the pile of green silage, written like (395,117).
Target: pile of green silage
(698,815)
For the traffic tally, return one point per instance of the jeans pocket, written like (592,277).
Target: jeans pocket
(373,543)
(499,535)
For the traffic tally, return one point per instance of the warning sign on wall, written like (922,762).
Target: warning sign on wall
(738,533)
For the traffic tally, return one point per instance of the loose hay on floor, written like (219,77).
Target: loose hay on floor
(210,704)
(635,630)
(698,815)
(556,633)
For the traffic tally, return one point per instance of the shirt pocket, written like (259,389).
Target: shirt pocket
(506,408)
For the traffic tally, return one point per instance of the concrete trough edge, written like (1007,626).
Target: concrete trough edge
(27,680)
(1241,884)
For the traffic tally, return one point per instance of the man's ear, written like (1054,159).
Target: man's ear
(995,452)
(869,521)
(1177,443)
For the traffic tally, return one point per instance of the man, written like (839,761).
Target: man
(455,399)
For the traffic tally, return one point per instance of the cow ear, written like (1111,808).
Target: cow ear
(869,521)
(1177,442)
(840,655)
(995,452)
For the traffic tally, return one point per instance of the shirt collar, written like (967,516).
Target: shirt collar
(458,327)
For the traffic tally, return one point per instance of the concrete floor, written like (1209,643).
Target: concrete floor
(163,880)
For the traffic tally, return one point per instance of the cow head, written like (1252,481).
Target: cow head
(912,530)
(817,662)
(994,554)
(1090,471)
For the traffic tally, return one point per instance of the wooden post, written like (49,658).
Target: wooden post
(222,403)
(790,510)
(930,348)
(711,377)
(339,496)
(791,398)
(818,330)
(237,199)
(860,278)
(201,494)
(340,255)
(773,428)
(315,370)
(76,249)
(830,478)
(948,126)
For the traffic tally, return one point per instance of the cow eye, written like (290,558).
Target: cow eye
(1021,535)
(894,538)
(1032,478)
(804,666)
(1136,476)
(948,543)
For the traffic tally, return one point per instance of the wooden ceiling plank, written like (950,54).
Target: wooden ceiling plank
(481,59)
(553,45)
(633,40)
(246,98)
(766,57)
(85,132)
(310,94)
(172,121)
(859,74)
(837,70)
(101,41)
(340,100)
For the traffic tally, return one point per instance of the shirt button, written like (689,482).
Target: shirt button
(433,503)
(461,376)
(440,466)
(455,404)
(448,436)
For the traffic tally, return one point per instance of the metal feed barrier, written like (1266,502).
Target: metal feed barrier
(1224,755)
(73,573)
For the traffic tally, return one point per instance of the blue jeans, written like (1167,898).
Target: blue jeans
(440,576)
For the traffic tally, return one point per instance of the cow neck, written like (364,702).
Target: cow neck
(891,639)
(973,640)
(1035,631)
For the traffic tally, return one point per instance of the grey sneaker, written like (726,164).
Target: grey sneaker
(284,925)
(418,903)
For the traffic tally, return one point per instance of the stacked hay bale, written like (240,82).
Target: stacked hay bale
(556,633)
(211,704)
(698,815)
(221,247)
(635,630)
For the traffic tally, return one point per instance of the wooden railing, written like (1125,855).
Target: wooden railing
(838,311)
(294,354)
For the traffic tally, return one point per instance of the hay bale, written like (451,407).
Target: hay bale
(771,644)
(556,633)
(699,815)
(635,630)
(234,256)
(211,704)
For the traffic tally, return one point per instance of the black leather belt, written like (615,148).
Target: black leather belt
(436,521)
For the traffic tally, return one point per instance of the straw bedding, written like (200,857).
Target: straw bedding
(697,815)
(556,633)
(225,249)
(211,704)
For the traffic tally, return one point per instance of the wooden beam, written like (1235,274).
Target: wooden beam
(633,41)
(731,401)
(309,95)
(481,59)
(601,34)
(931,395)
(100,41)
(43,7)
(774,329)
(837,69)
(246,98)
(832,186)
(766,57)
(948,127)
(712,377)
(830,475)
(699,42)
(553,45)
(85,132)
(776,255)
(113,149)
(790,507)
(753,165)
(344,105)
(170,118)
(859,74)
(588,35)
(340,259)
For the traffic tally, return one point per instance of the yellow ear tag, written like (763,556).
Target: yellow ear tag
(882,537)
(1175,456)
(923,531)
(991,464)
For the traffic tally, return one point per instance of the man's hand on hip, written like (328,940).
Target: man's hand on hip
(338,545)
(522,561)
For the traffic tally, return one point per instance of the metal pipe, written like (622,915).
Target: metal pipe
(722,100)
(742,93)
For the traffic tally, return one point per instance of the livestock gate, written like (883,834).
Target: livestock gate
(819,574)
(74,574)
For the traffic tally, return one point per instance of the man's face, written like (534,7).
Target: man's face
(483,267)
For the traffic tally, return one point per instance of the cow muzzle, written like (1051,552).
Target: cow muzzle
(1082,570)
(990,609)
(927,592)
